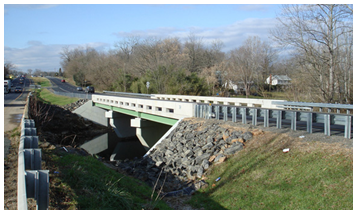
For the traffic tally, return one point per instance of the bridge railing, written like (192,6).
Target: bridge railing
(263,103)
(310,121)
(170,109)
(310,106)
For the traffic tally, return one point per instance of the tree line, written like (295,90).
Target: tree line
(319,39)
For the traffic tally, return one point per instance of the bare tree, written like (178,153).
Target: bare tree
(316,32)
(8,66)
(250,63)
(195,51)
(29,71)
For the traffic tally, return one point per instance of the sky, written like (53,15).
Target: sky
(35,34)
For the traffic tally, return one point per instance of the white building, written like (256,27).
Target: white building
(279,80)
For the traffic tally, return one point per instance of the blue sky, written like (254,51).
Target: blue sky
(34,35)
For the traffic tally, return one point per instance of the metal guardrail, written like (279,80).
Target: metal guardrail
(292,118)
(32,182)
(310,106)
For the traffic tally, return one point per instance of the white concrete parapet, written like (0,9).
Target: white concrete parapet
(263,103)
(164,108)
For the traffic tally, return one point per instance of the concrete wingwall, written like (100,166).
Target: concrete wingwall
(92,113)
(148,132)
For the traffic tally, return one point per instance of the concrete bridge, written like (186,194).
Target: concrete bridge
(149,117)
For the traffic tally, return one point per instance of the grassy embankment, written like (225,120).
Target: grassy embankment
(311,176)
(44,82)
(83,182)
(49,98)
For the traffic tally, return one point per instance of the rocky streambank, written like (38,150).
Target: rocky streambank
(73,106)
(179,162)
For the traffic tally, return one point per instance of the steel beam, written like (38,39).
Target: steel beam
(244,115)
(279,119)
(309,121)
(327,124)
(348,127)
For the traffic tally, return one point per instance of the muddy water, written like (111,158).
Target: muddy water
(112,148)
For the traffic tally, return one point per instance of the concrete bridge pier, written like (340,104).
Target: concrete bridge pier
(149,132)
(121,124)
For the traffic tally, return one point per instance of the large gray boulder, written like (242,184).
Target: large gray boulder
(233,149)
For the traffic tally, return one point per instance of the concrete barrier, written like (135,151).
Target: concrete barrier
(263,103)
(169,109)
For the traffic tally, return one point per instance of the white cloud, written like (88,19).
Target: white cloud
(40,56)
(231,35)
(47,57)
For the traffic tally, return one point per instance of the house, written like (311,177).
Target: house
(278,80)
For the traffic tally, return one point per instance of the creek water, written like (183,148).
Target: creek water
(111,147)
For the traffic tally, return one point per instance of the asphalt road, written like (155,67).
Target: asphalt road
(59,86)
(14,105)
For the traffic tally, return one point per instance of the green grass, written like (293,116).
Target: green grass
(49,98)
(44,82)
(85,183)
(266,178)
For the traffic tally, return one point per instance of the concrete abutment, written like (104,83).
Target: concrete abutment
(121,124)
(149,132)
(125,126)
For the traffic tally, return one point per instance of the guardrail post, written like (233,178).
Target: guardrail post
(244,115)
(33,159)
(201,111)
(234,114)
(293,120)
(217,112)
(28,132)
(327,124)
(225,113)
(28,123)
(266,117)
(204,112)
(37,186)
(348,127)
(30,142)
(279,119)
(209,112)
(309,123)
(255,116)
